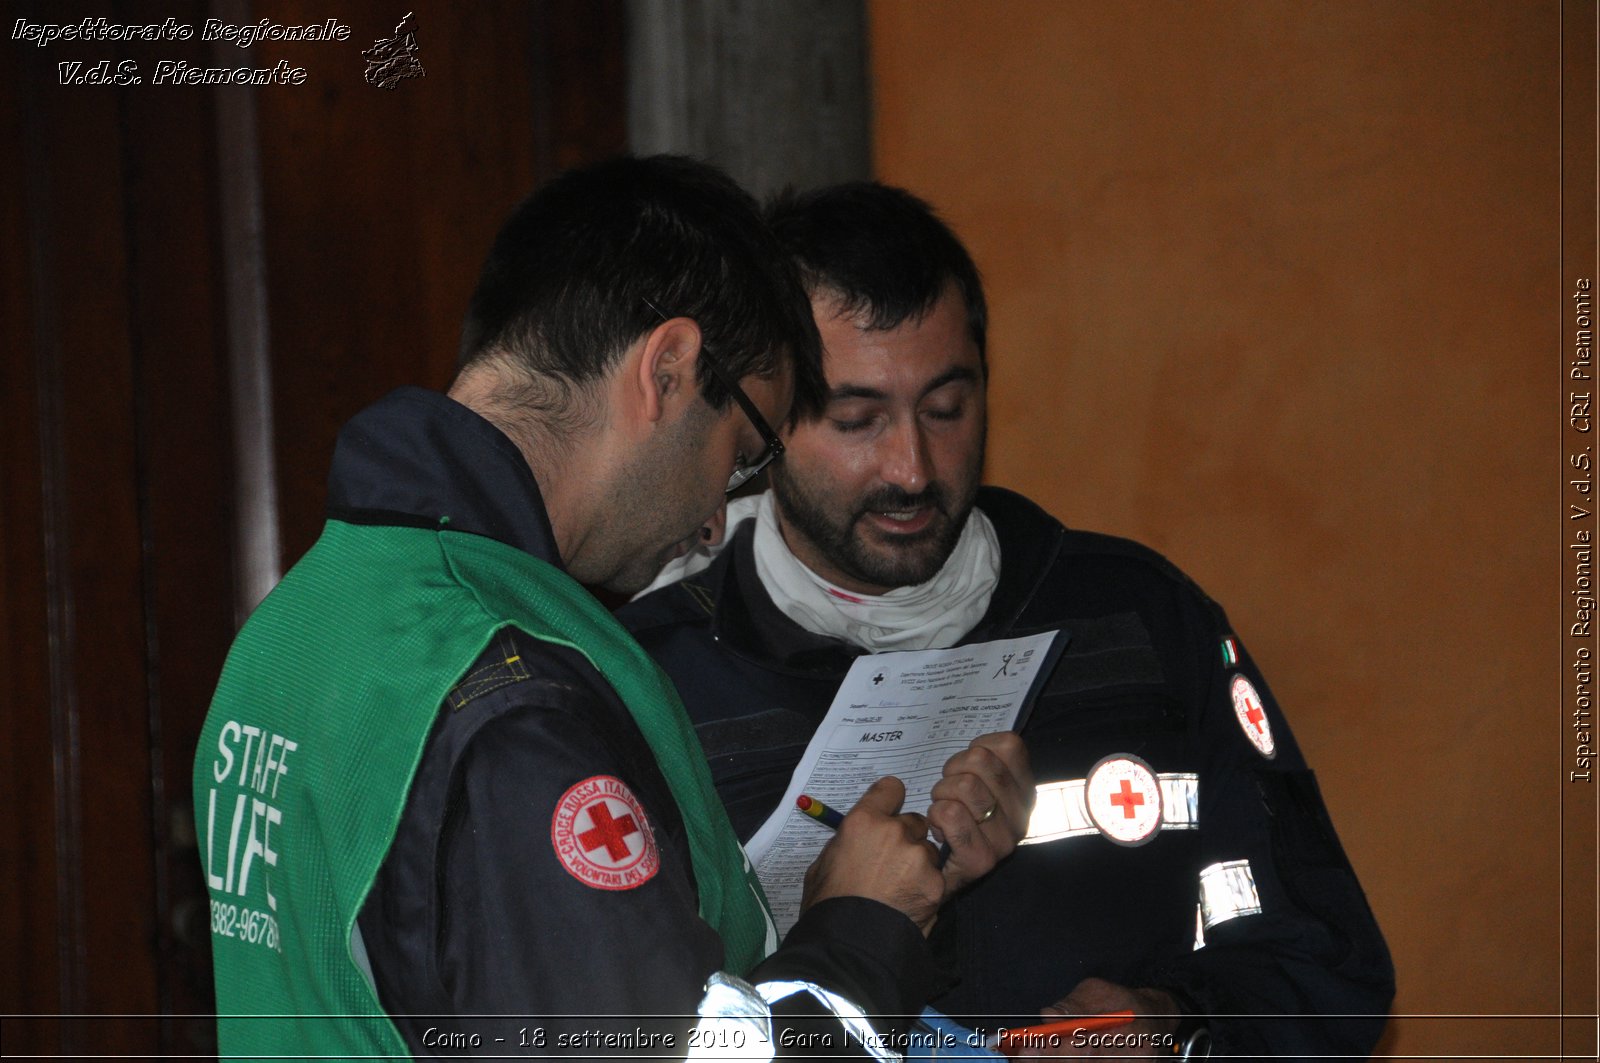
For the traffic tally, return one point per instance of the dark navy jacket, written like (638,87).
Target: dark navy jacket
(1148,669)
(474,926)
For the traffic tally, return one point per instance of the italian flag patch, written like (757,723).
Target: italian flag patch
(1230,652)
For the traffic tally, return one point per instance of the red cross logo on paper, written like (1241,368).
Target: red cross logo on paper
(1252,716)
(602,837)
(1123,797)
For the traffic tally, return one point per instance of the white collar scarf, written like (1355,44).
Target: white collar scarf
(931,615)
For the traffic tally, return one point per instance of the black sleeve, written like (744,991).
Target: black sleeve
(485,914)
(1287,935)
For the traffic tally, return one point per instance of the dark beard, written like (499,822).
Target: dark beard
(917,557)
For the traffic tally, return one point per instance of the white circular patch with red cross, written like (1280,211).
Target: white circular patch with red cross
(1124,799)
(602,837)
(1252,715)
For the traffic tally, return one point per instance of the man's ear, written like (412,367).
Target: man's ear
(664,377)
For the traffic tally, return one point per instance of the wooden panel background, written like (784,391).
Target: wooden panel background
(118,529)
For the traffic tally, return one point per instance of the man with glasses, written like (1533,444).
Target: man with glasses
(1180,863)
(448,806)
(745,469)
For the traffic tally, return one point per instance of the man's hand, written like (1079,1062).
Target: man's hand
(881,853)
(1147,1036)
(981,806)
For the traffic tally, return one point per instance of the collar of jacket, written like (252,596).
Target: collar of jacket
(746,621)
(417,458)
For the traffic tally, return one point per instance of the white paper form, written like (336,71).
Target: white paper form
(902,714)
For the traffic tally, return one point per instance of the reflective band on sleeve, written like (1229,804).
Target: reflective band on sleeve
(851,1017)
(1180,801)
(1059,810)
(1227,891)
(735,1022)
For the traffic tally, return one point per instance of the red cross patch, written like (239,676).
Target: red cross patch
(1252,715)
(1123,797)
(602,836)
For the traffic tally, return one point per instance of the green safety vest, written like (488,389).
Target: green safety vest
(316,729)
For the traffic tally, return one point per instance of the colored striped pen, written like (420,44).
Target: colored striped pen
(830,817)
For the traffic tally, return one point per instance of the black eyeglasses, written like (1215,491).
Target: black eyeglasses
(744,470)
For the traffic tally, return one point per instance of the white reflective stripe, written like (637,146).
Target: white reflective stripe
(735,1022)
(1059,810)
(1199,929)
(736,1019)
(851,1017)
(1227,891)
(1180,800)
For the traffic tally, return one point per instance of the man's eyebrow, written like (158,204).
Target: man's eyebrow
(950,376)
(856,391)
(861,391)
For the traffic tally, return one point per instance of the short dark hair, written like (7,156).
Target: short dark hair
(882,251)
(570,279)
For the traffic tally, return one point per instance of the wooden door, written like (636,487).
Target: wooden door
(198,284)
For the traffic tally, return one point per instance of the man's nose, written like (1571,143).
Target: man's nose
(905,458)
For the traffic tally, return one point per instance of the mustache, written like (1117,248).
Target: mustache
(888,498)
